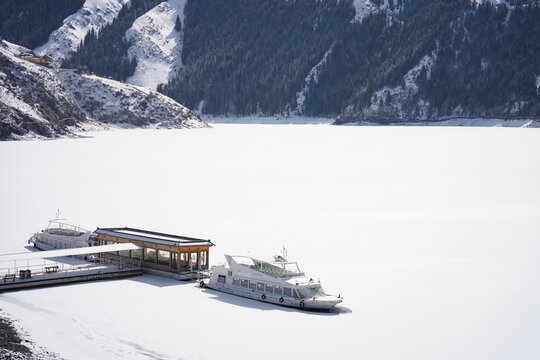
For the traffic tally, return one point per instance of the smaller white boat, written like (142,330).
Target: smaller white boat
(279,282)
(60,234)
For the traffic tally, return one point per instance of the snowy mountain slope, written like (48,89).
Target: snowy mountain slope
(398,103)
(363,8)
(33,102)
(93,15)
(313,76)
(111,101)
(157,46)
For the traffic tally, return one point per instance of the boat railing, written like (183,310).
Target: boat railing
(64,232)
(277,273)
(203,274)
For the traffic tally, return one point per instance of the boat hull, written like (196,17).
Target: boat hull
(46,241)
(324,303)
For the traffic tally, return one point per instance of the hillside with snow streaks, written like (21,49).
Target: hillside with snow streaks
(157,45)
(363,8)
(33,103)
(93,15)
(398,103)
(111,101)
(313,76)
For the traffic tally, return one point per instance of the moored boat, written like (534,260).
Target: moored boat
(60,234)
(279,282)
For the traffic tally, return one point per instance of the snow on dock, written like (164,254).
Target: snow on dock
(42,268)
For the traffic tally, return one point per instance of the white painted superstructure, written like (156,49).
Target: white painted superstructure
(60,234)
(280,282)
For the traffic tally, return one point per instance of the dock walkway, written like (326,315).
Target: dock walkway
(54,267)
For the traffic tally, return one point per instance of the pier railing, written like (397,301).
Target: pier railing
(17,270)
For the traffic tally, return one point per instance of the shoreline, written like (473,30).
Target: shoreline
(15,342)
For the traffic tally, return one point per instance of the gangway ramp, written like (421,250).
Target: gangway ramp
(52,267)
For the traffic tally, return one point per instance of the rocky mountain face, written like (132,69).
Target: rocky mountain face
(45,102)
(33,102)
(110,101)
(357,60)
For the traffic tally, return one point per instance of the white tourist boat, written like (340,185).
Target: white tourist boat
(60,234)
(279,282)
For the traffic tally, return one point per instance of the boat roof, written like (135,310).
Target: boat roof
(68,252)
(66,223)
(153,237)
(265,261)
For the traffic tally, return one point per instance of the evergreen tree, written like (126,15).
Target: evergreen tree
(30,22)
(178,24)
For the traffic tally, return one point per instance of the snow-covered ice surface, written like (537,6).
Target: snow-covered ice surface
(157,46)
(93,15)
(431,234)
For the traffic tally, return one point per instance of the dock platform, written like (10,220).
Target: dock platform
(56,267)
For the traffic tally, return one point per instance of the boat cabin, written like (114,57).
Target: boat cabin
(179,256)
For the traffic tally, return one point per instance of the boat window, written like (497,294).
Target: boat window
(236,281)
(277,289)
(287,291)
(252,285)
(269,288)
(150,254)
(163,257)
(245,283)
(194,260)
(124,253)
(184,260)
(221,278)
(298,294)
(203,258)
(260,286)
(136,254)
(174,260)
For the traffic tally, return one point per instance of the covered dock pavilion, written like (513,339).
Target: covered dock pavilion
(174,256)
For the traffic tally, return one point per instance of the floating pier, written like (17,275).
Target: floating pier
(55,267)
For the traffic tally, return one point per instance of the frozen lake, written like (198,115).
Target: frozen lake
(431,234)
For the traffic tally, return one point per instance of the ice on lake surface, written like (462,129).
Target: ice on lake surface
(431,234)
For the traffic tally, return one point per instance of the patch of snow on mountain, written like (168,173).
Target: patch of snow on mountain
(393,99)
(312,76)
(537,81)
(460,121)
(111,101)
(157,45)
(11,99)
(93,15)
(494,2)
(363,8)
